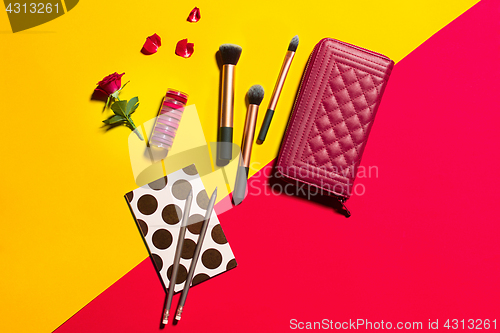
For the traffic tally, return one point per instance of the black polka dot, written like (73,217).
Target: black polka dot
(231,264)
(199,278)
(211,258)
(195,222)
(190,170)
(147,204)
(171,214)
(158,262)
(130,196)
(159,184)
(181,273)
(218,235)
(162,239)
(143,226)
(188,249)
(202,199)
(181,189)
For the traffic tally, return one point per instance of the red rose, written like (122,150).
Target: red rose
(110,84)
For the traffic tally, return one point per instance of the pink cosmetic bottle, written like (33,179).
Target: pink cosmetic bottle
(168,119)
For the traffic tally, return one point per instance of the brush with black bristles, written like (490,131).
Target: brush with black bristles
(255,95)
(230,54)
(292,47)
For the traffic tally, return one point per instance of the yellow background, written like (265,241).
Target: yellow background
(67,233)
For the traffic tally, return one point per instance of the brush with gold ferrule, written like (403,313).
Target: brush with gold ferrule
(292,48)
(255,95)
(230,54)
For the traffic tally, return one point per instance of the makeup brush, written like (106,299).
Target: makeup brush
(292,47)
(255,95)
(230,54)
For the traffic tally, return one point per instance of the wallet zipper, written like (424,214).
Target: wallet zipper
(313,53)
(340,199)
(380,55)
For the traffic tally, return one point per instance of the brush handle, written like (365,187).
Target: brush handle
(241,185)
(225,144)
(265,126)
(177,256)
(196,255)
(224,147)
(173,277)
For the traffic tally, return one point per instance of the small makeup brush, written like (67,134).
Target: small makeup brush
(255,95)
(230,54)
(292,48)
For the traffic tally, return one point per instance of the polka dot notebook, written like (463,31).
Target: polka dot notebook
(158,209)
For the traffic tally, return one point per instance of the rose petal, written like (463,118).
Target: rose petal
(156,39)
(110,83)
(184,49)
(151,45)
(195,15)
(99,95)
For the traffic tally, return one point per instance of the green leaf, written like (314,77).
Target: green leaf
(132,105)
(123,110)
(114,119)
(134,108)
(120,108)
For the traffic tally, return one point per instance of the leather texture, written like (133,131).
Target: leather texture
(332,117)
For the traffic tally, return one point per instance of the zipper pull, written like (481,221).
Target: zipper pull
(347,213)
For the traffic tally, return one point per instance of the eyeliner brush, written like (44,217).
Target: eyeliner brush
(255,95)
(230,54)
(177,256)
(196,255)
(292,48)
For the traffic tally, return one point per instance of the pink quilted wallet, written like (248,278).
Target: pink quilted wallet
(332,117)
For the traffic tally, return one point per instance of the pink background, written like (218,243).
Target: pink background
(422,242)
